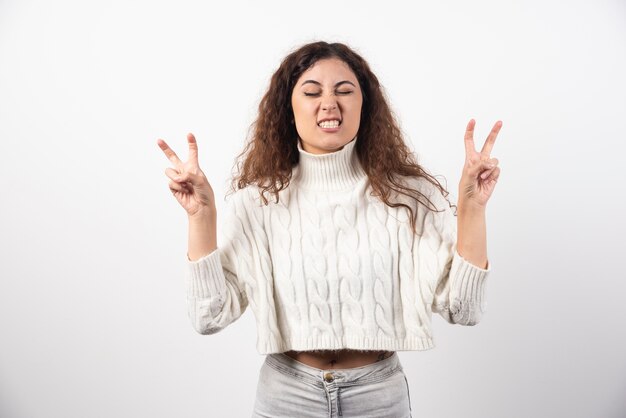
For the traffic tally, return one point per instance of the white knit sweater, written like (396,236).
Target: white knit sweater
(331,267)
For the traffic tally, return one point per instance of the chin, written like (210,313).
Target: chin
(328,143)
(335,142)
(333,145)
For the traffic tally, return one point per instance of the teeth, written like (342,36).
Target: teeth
(329,124)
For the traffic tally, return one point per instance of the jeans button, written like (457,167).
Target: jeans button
(329,377)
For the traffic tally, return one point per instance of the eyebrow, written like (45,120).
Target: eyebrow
(339,83)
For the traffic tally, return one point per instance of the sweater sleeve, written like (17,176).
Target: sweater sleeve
(459,291)
(216,294)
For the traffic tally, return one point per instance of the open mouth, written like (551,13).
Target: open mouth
(334,123)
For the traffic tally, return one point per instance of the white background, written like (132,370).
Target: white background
(93,318)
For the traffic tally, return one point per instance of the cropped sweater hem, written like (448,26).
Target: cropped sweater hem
(348,342)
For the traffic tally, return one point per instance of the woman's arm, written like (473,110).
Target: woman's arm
(215,289)
(459,294)
(215,283)
(480,174)
(472,235)
(202,234)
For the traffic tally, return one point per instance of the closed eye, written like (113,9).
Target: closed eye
(339,92)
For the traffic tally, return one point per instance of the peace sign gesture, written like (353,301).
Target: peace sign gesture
(187,182)
(480,172)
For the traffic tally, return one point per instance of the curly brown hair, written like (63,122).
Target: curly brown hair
(271,152)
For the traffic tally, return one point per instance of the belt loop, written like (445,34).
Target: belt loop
(339,402)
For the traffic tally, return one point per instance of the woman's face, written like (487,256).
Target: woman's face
(326,102)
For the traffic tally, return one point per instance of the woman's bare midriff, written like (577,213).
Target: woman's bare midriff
(338,359)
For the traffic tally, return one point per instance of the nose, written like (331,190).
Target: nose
(329,103)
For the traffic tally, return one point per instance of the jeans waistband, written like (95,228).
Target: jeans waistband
(344,377)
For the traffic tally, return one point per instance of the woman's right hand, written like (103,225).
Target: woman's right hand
(187,181)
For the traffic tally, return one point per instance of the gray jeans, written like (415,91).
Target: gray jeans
(288,388)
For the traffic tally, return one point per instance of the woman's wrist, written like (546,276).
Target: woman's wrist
(203,216)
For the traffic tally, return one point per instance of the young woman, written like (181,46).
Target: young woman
(341,244)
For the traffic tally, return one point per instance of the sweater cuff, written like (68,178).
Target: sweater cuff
(206,276)
(468,280)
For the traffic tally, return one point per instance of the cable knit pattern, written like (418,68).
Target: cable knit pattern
(330,266)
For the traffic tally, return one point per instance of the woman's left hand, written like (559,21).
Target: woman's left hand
(480,172)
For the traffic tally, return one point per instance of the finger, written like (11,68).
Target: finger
(171,155)
(494,175)
(469,138)
(476,165)
(488,165)
(186,177)
(172,174)
(193,147)
(491,163)
(177,187)
(491,139)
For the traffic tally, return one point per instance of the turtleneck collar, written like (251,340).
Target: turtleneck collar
(338,170)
